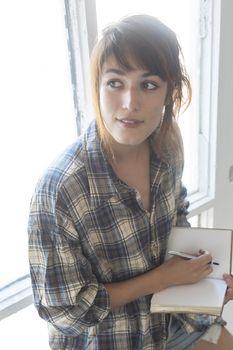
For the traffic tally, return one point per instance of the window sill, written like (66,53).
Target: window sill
(15,296)
(199,203)
(24,330)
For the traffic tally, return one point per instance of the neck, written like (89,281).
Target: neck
(128,153)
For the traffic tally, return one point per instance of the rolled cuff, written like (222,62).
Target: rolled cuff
(93,306)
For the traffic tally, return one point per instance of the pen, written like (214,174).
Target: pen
(188,256)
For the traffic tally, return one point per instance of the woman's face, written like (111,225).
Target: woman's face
(131,102)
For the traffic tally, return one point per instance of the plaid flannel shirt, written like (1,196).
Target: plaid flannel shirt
(87,228)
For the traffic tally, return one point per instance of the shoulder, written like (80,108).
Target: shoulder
(68,169)
(67,163)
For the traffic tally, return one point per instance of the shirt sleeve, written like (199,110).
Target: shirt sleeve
(66,292)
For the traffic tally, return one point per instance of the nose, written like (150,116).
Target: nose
(131,100)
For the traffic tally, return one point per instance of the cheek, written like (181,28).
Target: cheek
(108,103)
(154,110)
(103,103)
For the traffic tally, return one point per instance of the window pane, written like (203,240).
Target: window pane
(181,16)
(35,337)
(204,219)
(37,116)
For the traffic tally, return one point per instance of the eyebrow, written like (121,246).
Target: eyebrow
(122,72)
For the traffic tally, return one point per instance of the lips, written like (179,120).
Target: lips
(130,121)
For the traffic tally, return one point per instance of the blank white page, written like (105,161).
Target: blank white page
(208,293)
(217,242)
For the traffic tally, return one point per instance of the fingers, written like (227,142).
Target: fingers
(202,265)
(204,258)
(208,269)
(189,271)
(229,292)
(200,262)
(202,251)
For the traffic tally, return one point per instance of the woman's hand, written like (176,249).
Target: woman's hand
(177,271)
(174,271)
(229,292)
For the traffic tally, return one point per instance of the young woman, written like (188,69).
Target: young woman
(102,213)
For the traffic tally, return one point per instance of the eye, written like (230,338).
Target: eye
(113,83)
(149,85)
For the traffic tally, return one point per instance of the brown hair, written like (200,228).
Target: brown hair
(155,47)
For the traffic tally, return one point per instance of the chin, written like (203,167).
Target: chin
(129,142)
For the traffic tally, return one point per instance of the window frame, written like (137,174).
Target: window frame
(15,296)
(210,20)
(81,25)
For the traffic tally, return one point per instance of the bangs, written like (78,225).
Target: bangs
(130,49)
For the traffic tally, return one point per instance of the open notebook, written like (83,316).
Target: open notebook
(207,295)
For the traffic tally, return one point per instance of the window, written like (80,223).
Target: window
(37,117)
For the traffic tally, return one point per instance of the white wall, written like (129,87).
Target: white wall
(223,211)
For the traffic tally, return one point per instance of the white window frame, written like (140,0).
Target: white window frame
(15,296)
(210,13)
(81,28)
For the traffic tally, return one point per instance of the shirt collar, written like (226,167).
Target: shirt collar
(103,183)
